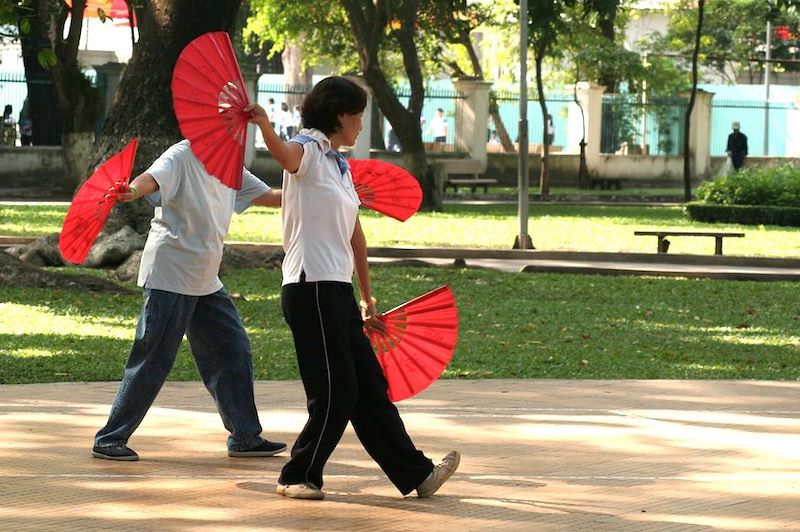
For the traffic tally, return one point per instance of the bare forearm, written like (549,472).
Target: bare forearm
(271,198)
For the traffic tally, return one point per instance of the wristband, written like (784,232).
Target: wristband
(135,192)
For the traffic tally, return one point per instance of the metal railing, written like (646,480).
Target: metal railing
(633,126)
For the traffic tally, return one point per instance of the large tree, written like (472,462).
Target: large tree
(380,40)
(142,106)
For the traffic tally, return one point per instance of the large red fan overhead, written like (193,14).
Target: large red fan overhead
(90,207)
(386,188)
(420,340)
(209,96)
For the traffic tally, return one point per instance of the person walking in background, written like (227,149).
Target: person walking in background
(439,127)
(737,146)
(183,294)
(551,130)
(341,375)
(9,126)
(25,125)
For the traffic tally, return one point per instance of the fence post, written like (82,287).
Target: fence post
(590,98)
(472,118)
(251,85)
(700,137)
(361,149)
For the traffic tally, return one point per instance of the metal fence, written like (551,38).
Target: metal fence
(757,119)
(631,125)
(559,107)
(14,89)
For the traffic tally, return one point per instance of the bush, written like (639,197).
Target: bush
(778,186)
(751,196)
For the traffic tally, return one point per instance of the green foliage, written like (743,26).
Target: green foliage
(733,33)
(322,27)
(510,326)
(778,186)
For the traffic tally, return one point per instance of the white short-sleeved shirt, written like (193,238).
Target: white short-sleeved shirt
(319,209)
(193,212)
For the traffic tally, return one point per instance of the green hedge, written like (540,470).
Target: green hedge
(744,214)
(752,196)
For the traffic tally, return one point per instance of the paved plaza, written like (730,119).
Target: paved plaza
(537,455)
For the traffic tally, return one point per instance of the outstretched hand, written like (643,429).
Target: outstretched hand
(123,192)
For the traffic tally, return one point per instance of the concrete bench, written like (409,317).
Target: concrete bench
(663,243)
(606,183)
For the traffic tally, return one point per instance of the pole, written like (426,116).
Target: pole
(523,240)
(767,69)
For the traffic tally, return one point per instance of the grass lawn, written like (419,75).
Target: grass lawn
(607,228)
(512,325)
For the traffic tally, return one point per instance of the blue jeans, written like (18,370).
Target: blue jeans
(221,350)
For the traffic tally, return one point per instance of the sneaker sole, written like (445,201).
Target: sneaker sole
(255,454)
(304,495)
(117,458)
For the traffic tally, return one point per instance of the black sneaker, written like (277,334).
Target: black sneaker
(265,448)
(115,452)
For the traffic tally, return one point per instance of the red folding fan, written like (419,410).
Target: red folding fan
(93,202)
(420,340)
(209,96)
(386,188)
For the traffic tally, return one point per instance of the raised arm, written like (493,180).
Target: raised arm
(288,154)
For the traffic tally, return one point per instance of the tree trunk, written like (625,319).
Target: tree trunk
(294,74)
(368,25)
(79,103)
(544,174)
(41,98)
(687,162)
(142,105)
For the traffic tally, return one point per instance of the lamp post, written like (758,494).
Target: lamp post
(523,239)
(767,68)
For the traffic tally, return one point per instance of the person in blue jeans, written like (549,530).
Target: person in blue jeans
(184,295)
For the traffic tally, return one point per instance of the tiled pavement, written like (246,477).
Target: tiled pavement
(537,455)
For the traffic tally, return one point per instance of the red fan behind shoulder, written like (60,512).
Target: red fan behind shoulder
(420,341)
(209,96)
(92,204)
(386,188)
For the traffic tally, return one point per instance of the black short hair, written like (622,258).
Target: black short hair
(330,98)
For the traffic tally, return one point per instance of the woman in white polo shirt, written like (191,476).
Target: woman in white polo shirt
(324,243)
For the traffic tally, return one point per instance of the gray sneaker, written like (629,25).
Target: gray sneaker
(115,452)
(265,448)
(439,475)
(301,491)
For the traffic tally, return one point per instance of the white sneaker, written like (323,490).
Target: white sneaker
(439,475)
(301,491)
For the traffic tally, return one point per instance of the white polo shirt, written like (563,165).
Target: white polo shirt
(320,208)
(193,212)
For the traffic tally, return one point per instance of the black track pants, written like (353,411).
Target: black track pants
(343,382)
